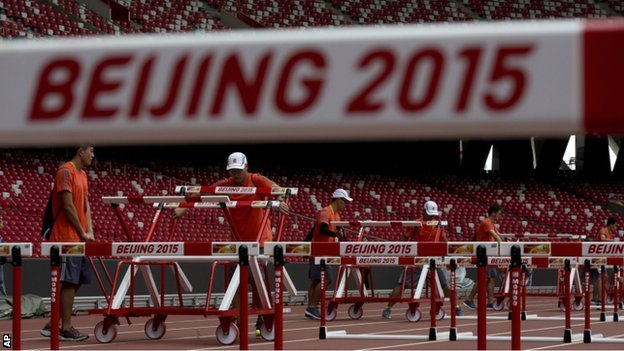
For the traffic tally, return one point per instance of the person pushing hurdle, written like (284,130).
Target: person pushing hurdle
(245,220)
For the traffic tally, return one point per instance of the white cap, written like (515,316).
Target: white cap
(237,160)
(431,208)
(341,194)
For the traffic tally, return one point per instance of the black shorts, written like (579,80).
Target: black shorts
(75,270)
(314,272)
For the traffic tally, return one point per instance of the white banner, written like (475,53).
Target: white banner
(401,82)
(605,249)
(377,261)
(148,249)
(378,249)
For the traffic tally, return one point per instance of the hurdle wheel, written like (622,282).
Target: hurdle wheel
(105,336)
(157,333)
(229,337)
(353,314)
(578,305)
(413,317)
(266,334)
(498,305)
(331,314)
(440,313)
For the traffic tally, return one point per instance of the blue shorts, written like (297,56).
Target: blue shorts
(314,272)
(413,275)
(75,270)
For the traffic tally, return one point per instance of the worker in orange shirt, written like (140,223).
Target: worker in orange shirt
(70,205)
(324,231)
(605,234)
(426,232)
(487,232)
(246,221)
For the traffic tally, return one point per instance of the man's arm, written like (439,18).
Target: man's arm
(67,204)
(603,237)
(284,208)
(324,227)
(408,234)
(89,221)
(495,235)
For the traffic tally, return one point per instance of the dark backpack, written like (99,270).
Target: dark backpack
(310,234)
(48,219)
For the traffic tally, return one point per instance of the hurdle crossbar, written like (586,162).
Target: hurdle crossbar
(233,190)
(387,223)
(159,199)
(228,204)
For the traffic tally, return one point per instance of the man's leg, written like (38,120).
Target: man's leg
(596,294)
(490,290)
(396,292)
(314,294)
(68,292)
(469,301)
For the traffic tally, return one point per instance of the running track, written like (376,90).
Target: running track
(197,333)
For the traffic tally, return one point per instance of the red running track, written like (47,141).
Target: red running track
(185,333)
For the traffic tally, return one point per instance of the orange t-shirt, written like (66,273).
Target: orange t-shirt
(247,220)
(69,179)
(604,231)
(424,233)
(483,231)
(326,215)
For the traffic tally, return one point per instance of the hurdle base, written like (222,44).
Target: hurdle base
(567,335)
(453,334)
(323,333)
(587,336)
(616,317)
(432,334)
(603,317)
(523,316)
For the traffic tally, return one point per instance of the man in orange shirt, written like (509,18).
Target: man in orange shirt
(324,231)
(70,204)
(423,233)
(605,234)
(487,232)
(247,221)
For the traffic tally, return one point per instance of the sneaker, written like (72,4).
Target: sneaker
(387,313)
(489,306)
(46,331)
(470,304)
(259,323)
(72,335)
(459,312)
(312,313)
(596,302)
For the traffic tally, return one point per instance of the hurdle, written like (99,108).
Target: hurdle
(211,197)
(16,251)
(413,313)
(106,330)
(350,252)
(386,253)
